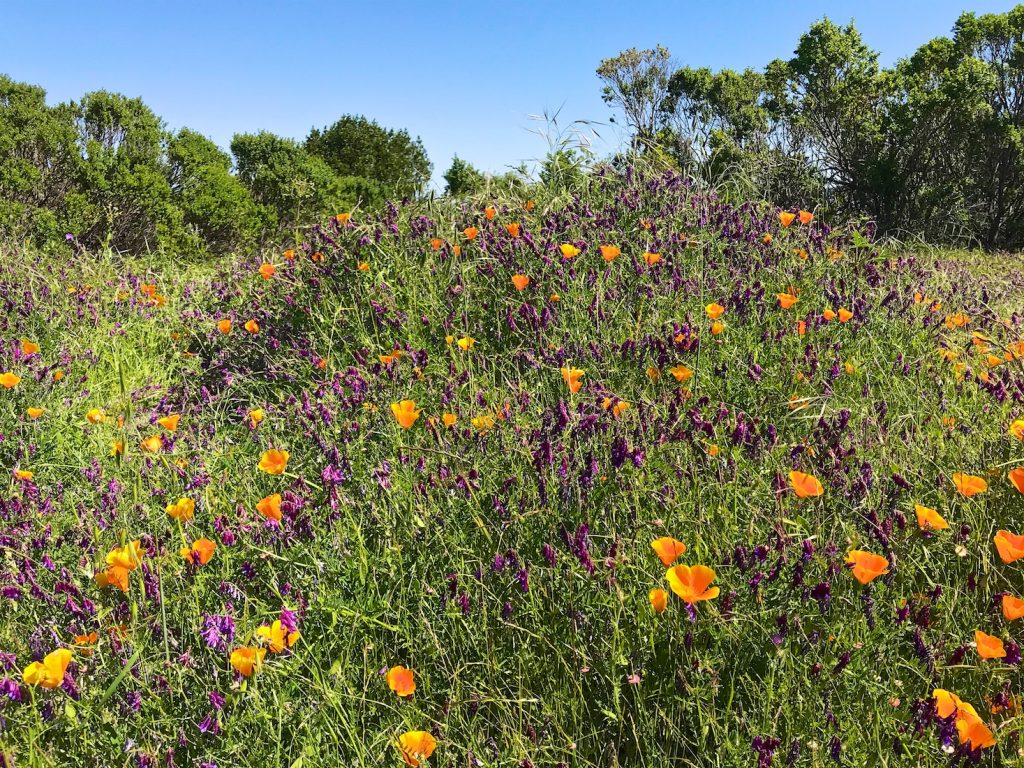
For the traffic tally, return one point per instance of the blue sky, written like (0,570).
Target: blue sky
(463,76)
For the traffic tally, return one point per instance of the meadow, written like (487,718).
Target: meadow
(632,475)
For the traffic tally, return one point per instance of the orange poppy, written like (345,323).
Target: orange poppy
(989,646)
(569,251)
(252,327)
(786,218)
(9,380)
(183,509)
(273,461)
(29,347)
(489,212)
(786,300)
(35,413)
(416,746)
(681,373)
(829,315)
(247,660)
(270,506)
(668,549)
(512,229)
(1013,607)
(224,326)
(277,637)
(929,519)
(436,243)
(343,218)
(692,584)
(405,413)
(256,416)
(401,680)
(520,281)
(845,315)
(714,311)
(470,233)
(267,271)
(1016,476)
(1009,545)
(969,485)
(48,673)
(200,552)
(609,252)
(650,259)
(152,444)
(572,377)
(658,599)
(1017,429)
(806,217)
(717,328)
(170,423)
(866,565)
(449,419)
(805,485)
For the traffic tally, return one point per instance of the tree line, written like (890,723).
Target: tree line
(106,172)
(929,147)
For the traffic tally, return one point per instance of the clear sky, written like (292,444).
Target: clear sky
(464,76)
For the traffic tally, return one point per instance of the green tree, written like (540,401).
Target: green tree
(218,212)
(637,82)
(462,178)
(356,146)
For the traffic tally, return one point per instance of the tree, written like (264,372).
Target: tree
(637,83)
(462,178)
(218,212)
(294,186)
(356,146)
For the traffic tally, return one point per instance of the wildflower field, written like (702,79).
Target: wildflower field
(633,476)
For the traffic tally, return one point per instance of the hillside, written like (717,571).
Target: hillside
(679,483)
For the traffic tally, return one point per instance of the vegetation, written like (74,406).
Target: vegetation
(623,474)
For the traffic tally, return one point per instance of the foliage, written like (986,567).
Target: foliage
(491,430)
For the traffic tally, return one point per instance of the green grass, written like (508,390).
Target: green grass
(375,553)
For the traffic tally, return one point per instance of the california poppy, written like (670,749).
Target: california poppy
(829,315)
(273,461)
(805,485)
(23,474)
(969,485)
(714,311)
(200,552)
(569,251)
(466,343)
(267,271)
(449,419)
(668,549)
(277,637)
(717,328)
(609,252)
(1009,545)
(49,673)
(1016,476)
(470,233)
(681,372)
(416,746)
(170,423)
(929,520)
(29,347)
(252,327)
(489,212)
(786,218)
(572,377)
(224,326)
(270,506)
(989,646)
(650,259)
(436,243)
(512,229)
(786,300)
(405,413)
(343,218)
(658,599)
(520,281)
(35,413)
(152,444)
(692,584)
(1013,607)
(1017,429)
(806,217)
(866,566)
(256,416)
(183,509)
(247,660)
(844,315)
(95,416)
(401,680)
